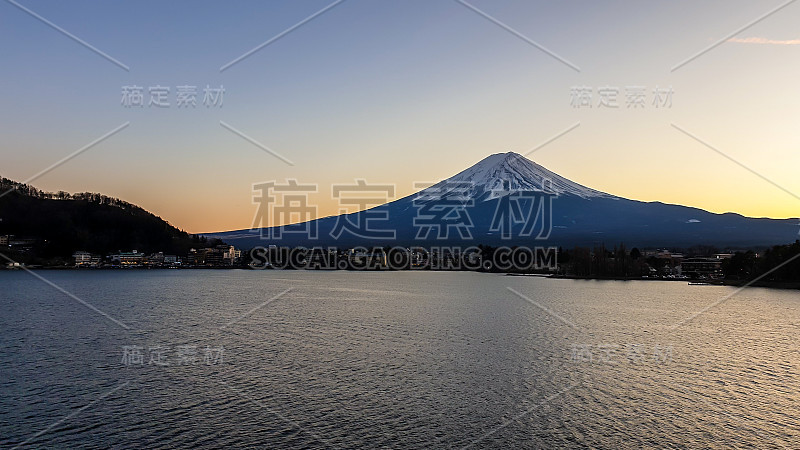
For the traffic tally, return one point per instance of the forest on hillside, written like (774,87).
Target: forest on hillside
(54,225)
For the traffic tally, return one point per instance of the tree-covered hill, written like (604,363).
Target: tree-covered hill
(57,224)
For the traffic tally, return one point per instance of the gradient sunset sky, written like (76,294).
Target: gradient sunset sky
(402,91)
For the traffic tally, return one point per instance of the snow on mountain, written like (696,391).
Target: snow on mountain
(503,173)
(581,216)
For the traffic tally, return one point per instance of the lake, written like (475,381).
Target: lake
(310,359)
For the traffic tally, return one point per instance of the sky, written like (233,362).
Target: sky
(401,92)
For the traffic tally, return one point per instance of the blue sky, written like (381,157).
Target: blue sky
(401,91)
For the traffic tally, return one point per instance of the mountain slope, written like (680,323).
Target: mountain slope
(580,216)
(502,173)
(59,224)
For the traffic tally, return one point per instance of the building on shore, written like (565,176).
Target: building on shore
(127,259)
(172,260)
(156,259)
(86,259)
(21,244)
(702,267)
(159,259)
(221,255)
(231,255)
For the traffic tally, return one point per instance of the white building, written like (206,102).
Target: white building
(85,259)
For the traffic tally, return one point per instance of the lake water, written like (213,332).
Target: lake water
(392,359)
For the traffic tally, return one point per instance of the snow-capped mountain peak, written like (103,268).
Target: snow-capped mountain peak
(503,173)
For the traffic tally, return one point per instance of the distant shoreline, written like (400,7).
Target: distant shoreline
(732,283)
(792,285)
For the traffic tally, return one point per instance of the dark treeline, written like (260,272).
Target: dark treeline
(601,261)
(31,191)
(745,266)
(54,225)
(619,262)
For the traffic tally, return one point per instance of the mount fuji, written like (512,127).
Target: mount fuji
(501,174)
(466,209)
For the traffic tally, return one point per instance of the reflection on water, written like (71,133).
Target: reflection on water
(405,359)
